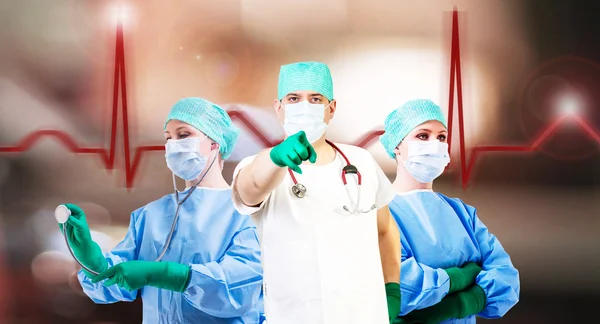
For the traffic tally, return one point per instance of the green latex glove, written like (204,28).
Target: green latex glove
(392,293)
(461,278)
(458,305)
(293,151)
(132,275)
(402,320)
(80,239)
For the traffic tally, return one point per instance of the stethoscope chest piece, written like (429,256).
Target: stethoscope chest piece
(299,190)
(62,214)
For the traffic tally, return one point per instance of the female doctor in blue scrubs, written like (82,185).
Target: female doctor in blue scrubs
(211,271)
(453,268)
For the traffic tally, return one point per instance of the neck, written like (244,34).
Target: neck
(405,182)
(212,180)
(325,153)
(212,176)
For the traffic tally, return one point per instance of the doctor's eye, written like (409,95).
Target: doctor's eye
(292,99)
(423,136)
(442,138)
(183,135)
(316,99)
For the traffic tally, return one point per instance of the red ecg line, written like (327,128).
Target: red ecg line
(467,168)
(131,166)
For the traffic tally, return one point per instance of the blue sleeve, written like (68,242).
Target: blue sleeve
(126,250)
(498,278)
(230,286)
(420,285)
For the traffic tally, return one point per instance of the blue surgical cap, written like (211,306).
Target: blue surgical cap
(208,118)
(308,76)
(403,120)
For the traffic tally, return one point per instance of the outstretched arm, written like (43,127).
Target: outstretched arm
(256,180)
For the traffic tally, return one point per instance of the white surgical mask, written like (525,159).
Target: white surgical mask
(307,117)
(184,159)
(426,159)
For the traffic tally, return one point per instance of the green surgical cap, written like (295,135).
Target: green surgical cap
(308,76)
(208,118)
(403,120)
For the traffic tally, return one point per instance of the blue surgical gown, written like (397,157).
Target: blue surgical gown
(437,233)
(219,244)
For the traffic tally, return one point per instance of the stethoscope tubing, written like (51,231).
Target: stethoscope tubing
(299,190)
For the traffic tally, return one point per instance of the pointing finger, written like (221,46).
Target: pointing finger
(287,161)
(295,158)
(302,138)
(296,169)
(301,150)
(312,154)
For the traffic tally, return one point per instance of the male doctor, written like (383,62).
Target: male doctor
(330,253)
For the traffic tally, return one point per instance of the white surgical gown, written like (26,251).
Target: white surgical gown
(219,244)
(437,233)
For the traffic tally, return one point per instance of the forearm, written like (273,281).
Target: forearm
(502,288)
(214,290)
(258,179)
(458,305)
(422,286)
(470,302)
(90,254)
(463,277)
(230,287)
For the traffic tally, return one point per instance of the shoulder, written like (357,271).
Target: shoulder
(222,199)
(227,208)
(458,204)
(355,153)
(352,149)
(160,203)
(243,221)
(248,159)
(245,161)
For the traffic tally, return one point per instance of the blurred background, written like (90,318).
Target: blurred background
(524,63)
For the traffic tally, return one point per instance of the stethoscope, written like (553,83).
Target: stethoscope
(299,190)
(62,214)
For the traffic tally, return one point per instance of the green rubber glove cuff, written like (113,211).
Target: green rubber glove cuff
(469,302)
(90,254)
(458,305)
(471,269)
(461,278)
(174,276)
(392,293)
(274,155)
(77,232)
(456,279)
(92,258)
